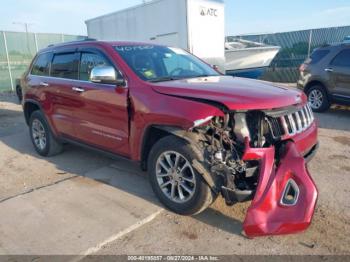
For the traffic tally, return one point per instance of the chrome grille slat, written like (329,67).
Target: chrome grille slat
(299,126)
(284,125)
(311,114)
(308,115)
(293,123)
(304,123)
(306,119)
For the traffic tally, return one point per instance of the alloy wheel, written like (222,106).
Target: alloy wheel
(175,176)
(38,134)
(315,99)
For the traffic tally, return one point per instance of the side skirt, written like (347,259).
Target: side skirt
(107,153)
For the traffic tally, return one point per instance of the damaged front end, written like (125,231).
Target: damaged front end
(251,155)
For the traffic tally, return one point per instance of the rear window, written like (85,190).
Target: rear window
(65,66)
(41,65)
(342,59)
(317,56)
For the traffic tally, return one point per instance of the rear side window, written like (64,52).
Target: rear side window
(88,62)
(317,56)
(65,66)
(41,66)
(342,59)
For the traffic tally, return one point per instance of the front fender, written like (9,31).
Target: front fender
(166,111)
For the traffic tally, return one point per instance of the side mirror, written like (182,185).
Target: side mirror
(105,75)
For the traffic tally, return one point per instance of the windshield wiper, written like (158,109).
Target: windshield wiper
(198,76)
(163,79)
(172,78)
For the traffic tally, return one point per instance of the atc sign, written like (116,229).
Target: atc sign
(204,11)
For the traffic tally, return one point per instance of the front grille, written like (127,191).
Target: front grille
(291,124)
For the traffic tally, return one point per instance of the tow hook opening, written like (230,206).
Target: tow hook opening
(290,193)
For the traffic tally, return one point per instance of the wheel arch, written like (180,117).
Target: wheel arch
(315,82)
(29,107)
(155,132)
(152,136)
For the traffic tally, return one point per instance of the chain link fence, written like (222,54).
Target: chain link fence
(17,49)
(295,46)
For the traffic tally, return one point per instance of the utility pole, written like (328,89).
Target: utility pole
(25,24)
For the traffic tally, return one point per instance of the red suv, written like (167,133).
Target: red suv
(197,133)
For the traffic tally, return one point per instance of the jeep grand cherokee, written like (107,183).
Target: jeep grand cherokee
(197,133)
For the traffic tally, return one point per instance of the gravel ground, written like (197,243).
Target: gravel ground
(26,171)
(218,229)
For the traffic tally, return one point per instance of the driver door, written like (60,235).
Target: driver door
(103,116)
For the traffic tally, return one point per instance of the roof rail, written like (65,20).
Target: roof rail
(75,41)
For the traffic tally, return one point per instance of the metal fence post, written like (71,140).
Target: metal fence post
(310,40)
(8,60)
(36,42)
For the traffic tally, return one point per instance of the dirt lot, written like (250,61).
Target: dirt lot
(216,231)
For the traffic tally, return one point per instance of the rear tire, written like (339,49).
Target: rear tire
(19,93)
(42,138)
(192,194)
(318,98)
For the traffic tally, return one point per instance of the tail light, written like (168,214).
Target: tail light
(303,67)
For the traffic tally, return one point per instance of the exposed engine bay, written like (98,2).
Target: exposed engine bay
(255,155)
(241,147)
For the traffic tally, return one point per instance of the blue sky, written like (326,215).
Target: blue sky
(242,16)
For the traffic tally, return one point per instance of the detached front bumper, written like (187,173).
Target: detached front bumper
(286,195)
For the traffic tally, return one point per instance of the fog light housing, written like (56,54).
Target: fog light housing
(290,193)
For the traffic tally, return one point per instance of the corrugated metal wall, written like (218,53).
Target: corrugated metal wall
(17,49)
(295,49)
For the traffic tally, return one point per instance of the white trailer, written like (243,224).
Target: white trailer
(194,25)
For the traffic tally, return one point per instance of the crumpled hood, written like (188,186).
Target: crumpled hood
(234,92)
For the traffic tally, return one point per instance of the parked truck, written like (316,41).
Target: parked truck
(194,25)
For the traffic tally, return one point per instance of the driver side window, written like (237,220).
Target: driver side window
(88,61)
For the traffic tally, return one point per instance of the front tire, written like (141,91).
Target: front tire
(174,180)
(318,98)
(42,138)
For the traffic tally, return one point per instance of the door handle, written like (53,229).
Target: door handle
(329,70)
(43,84)
(78,89)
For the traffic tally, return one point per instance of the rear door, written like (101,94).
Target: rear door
(39,74)
(102,117)
(64,102)
(339,72)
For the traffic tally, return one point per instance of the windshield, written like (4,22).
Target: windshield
(159,63)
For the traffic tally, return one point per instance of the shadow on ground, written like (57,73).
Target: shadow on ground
(9,97)
(337,118)
(76,161)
